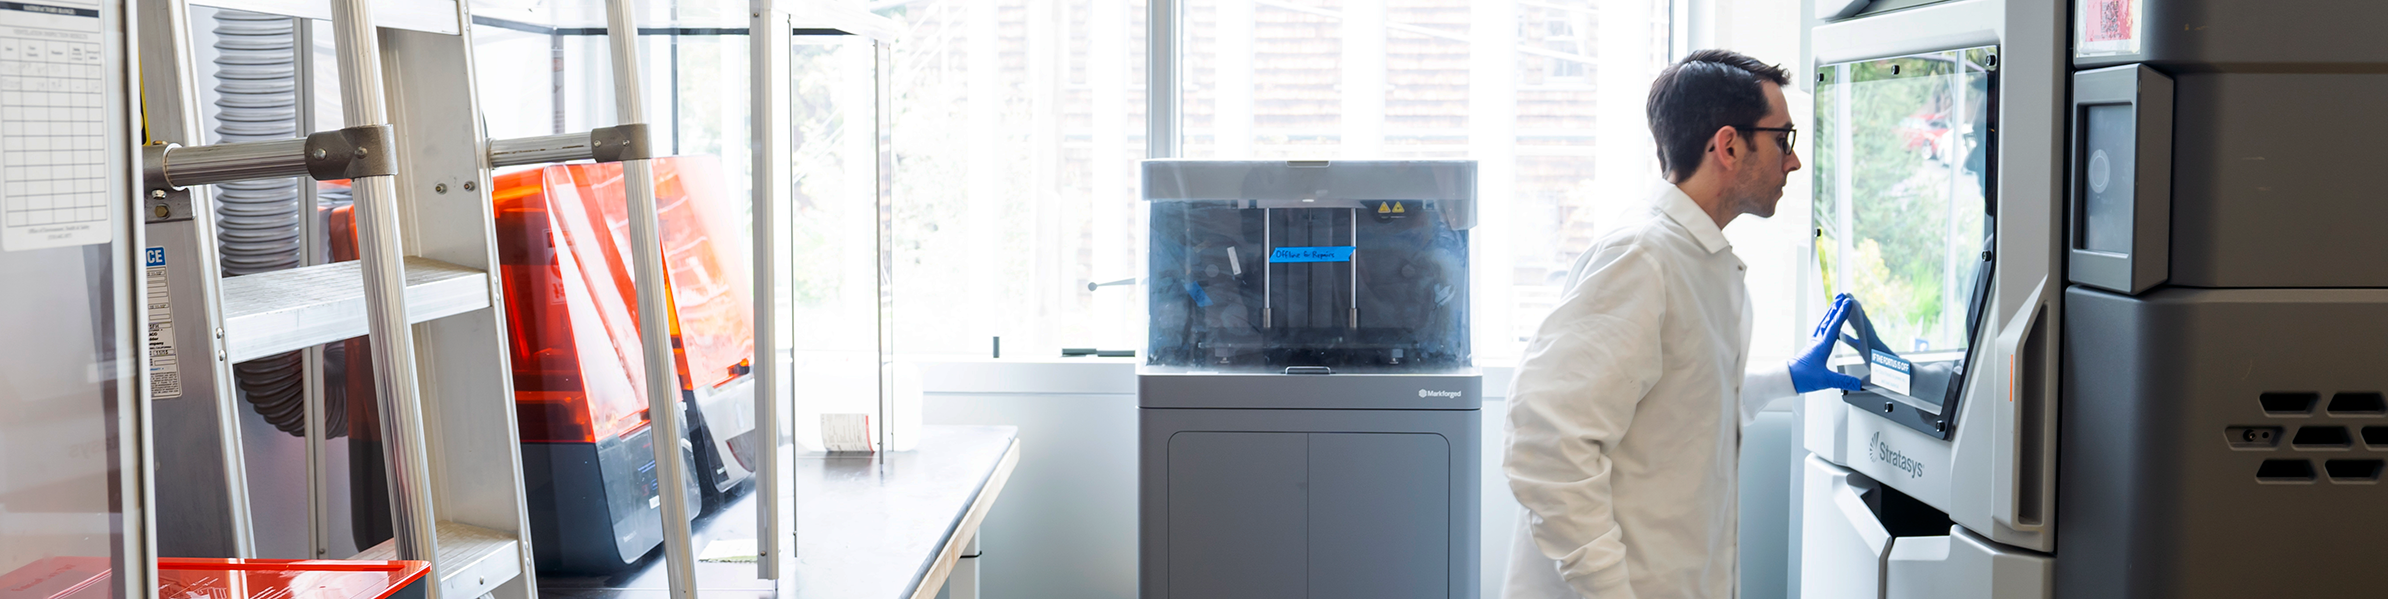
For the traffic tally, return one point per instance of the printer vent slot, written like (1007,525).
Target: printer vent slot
(2322,437)
(2354,471)
(2285,471)
(2290,403)
(2358,403)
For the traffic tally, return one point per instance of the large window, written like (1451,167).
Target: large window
(1017,127)
(1547,96)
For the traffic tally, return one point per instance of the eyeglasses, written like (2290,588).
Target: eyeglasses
(1789,137)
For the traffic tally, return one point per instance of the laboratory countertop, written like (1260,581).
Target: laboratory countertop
(876,526)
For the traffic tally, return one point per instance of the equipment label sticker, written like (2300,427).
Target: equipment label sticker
(165,371)
(1332,253)
(1891,372)
(2108,20)
(54,127)
(2108,27)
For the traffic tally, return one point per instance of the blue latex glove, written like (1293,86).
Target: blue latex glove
(1808,370)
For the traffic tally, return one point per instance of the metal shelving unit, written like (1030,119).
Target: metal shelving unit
(423,289)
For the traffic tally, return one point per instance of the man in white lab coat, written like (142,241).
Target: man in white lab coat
(1625,417)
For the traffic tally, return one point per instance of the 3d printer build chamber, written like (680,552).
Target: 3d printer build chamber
(1299,264)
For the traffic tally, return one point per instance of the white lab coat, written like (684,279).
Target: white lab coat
(1625,417)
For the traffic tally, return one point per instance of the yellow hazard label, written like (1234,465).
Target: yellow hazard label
(1384,208)
(1397,209)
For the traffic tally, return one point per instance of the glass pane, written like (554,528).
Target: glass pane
(58,390)
(831,230)
(1901,169)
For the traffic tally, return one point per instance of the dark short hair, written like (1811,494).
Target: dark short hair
(1706,91)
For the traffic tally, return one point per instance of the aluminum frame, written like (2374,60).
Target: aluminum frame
(768,59)
(1163,70)
(182,222)
(654,326)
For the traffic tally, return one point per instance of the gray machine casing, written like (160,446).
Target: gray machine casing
(1310,418)
(2218,423)
(2166,432)
(1258,485)
(2222,432)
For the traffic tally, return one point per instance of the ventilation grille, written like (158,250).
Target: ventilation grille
(2327,436)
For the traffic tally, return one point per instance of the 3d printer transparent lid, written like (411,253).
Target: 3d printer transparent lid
(1902,174)
(1342,266)
(1903,168)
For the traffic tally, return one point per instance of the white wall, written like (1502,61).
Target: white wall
(1065,526)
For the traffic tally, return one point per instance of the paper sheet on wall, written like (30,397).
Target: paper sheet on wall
(53,126)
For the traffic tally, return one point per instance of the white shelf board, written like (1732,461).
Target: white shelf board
(275,312)
(472,560)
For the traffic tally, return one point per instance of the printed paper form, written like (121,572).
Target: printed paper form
(53,126)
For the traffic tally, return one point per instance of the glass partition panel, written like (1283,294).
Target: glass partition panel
(836,230)
(60,389)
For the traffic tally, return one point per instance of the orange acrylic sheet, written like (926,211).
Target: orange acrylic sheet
(574,377)
(706,268)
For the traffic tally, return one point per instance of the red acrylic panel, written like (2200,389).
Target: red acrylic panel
(201,578)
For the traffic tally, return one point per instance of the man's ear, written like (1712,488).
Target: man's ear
(1721,144)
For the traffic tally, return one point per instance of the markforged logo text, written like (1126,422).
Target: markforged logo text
(1432,393)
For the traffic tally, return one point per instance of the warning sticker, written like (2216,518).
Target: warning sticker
(2108,20)
(165,369)
(2109,27)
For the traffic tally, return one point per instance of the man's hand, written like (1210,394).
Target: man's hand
(1808,372)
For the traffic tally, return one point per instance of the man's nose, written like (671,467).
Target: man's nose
(1791,161)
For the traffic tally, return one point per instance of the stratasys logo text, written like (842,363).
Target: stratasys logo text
(1433,393)
(1882,452)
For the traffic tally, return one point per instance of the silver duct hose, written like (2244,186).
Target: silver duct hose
(257,222)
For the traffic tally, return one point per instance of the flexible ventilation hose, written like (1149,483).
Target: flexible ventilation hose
(257,222)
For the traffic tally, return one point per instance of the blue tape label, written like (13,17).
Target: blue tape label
(1332,253)
(1891,372)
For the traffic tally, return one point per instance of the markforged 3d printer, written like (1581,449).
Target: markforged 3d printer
(1310,417)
